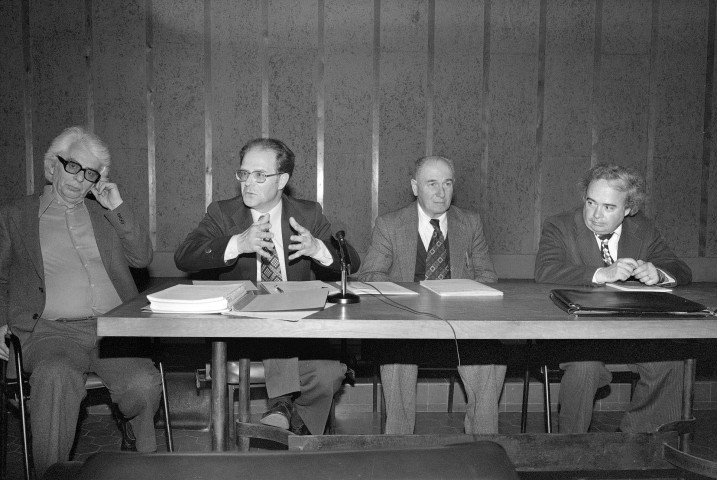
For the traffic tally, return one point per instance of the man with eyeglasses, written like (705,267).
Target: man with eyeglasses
(64,260)
(264,235)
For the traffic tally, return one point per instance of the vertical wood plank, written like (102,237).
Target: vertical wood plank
(349,85)
(18,175)
(292,92)
(707,131)
(237,87)
(376,111)
(403,98)
(151,139)
(179,114)
(458,97)
(320,103)
(208,106)
(120,96)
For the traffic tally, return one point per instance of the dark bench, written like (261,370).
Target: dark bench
(476,460)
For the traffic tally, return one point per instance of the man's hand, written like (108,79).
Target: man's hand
(256,238)
(304,244)
(646,272)
(619,271)
(107,194)
(4,349)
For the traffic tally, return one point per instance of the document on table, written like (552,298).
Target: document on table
(248,284)
(633,286)
(457,287)
(196,298)
(378,288)
(296,286)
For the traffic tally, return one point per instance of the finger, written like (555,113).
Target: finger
(296,226)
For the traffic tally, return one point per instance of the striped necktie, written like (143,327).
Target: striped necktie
(437,266)
(606,257)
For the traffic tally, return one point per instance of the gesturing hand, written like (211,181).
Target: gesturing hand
(107,194)
(303,244)
(256,238)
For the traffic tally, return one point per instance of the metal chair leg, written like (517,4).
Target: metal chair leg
(21,400)
(167,425)
(546,390)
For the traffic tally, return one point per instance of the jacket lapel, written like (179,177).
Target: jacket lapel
(407,238)
(587,245)
(29,225)
(458,247)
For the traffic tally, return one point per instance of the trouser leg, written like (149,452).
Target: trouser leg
(398,382)
(320,380)
(483,384)
(135,385)
(657,398)
(57,364)
(579,384)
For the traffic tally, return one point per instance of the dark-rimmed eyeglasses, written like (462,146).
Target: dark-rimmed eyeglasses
(72,167)
(259,176)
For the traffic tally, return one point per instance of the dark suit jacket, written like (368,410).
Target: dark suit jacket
(569,254)
(121,240)
(392,254)
(204,247)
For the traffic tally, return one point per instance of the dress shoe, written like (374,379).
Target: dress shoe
(129,441)
(298,427)
(278,416)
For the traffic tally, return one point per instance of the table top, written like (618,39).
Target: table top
(525,311)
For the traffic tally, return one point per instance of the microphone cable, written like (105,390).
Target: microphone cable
(393,303)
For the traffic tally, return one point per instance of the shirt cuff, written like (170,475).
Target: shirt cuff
(595,275)
(324,256)
(232,250)
(665,279)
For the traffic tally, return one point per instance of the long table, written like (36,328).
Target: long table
(524,312)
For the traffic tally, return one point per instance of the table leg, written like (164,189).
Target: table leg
(244,401)
(219,395)
(688,390)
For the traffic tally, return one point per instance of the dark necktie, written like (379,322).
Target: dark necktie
(606,257)
(271,269)
(437,266)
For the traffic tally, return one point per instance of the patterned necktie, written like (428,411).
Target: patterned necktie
(606,257)
(271,269)
(437,267)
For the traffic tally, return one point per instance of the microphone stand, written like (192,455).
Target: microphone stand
(344,297)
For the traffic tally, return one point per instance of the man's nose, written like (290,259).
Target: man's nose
(440,191)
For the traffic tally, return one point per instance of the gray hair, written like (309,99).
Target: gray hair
(433,158)
(622,179)
(73,135)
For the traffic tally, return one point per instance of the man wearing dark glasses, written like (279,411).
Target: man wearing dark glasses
(265,235)
(64,260)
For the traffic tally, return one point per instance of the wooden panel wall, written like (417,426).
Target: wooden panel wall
(523,95)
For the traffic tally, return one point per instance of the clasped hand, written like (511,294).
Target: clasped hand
(258,238)
(624,268)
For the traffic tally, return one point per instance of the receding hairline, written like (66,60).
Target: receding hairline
(423,161)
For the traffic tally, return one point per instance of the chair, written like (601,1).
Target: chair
(548,375)
(242,430)
(19,388)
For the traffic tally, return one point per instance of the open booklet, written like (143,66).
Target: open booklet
(196,298)
(296,286)
(457,287)
(633,286)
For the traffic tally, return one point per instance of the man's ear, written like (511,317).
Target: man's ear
(414,187)
(627,211)
(283,180)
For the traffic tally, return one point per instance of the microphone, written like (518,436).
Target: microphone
(340,237)
(343,297)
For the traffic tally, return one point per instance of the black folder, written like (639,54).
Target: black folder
(626,304)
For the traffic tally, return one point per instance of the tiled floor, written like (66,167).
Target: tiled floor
(98,432)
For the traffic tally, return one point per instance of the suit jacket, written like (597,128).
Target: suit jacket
(122,242)
(569,254)
(392,254)
(204,247)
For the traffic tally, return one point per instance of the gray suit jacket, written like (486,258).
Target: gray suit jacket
(569,254)
(122,242)
(392,254)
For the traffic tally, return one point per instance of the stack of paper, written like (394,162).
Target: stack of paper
(378,288)
(632,286)
(460,288)
(196,298)
(296,286)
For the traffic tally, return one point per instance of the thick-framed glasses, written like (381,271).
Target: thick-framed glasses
(258,175)
(73,167)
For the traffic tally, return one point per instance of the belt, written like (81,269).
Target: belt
(71,320)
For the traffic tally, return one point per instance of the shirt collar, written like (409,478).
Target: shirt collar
(274,213)
(425,220)
(615,234)
(47,198)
